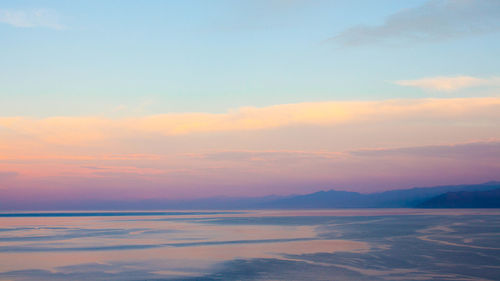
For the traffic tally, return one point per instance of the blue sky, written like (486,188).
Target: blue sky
(97,57)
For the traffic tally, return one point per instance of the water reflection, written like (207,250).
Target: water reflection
(238,245)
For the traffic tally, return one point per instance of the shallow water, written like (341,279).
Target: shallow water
(373,244)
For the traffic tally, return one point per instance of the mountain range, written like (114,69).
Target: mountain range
(402,198)
(464,199)
(485,195)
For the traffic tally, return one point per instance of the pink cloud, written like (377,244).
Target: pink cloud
(283,149)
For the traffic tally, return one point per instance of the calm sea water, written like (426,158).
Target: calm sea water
(377,244)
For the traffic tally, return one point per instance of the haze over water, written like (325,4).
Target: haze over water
(382,244)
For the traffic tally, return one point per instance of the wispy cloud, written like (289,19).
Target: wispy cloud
(449,83)
(248,151)
(436,20)
(31,18)
(82,130)
(472,150)
(267,155)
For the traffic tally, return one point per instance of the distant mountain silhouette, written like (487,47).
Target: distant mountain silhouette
(318,200)
(425,197)
(464,199)
(402,198)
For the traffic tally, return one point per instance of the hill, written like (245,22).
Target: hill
(464,199)
(402,198)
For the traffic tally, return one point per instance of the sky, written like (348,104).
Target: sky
(124,100)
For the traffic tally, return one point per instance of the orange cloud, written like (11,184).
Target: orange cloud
(301,142)
(85,130)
